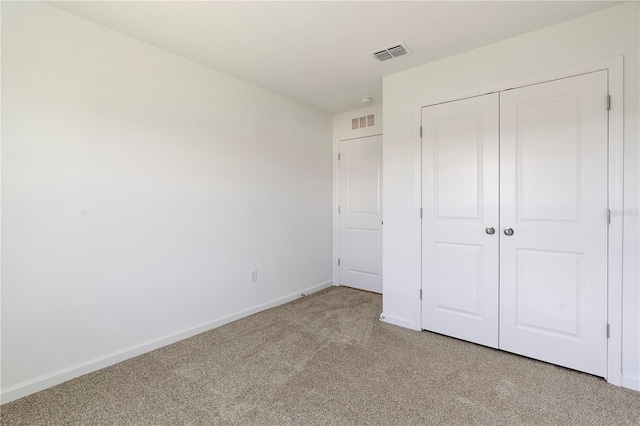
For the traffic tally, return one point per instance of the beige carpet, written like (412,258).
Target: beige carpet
(327,360)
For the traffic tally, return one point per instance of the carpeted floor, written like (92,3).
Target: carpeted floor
(327,360)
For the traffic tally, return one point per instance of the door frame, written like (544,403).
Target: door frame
(614,67)
(336,235)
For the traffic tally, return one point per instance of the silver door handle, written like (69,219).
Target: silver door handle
(508,232)
(490,230)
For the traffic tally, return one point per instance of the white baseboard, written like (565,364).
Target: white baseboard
(48,380)
(402,322)
(631,383)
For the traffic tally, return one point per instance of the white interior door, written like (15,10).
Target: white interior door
(553,190)
(460,209)
(360,213)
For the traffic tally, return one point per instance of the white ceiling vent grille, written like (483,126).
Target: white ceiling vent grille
(392,51)
(364,121)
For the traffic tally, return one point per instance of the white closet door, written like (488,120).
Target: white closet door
(553,180)
(361,213)
(460,202)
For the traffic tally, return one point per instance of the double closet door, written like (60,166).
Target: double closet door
(515,229)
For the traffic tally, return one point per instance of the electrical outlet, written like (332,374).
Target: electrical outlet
(254,276)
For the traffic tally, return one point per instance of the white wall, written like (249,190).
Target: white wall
(342,131)
(138,190)
(605,34)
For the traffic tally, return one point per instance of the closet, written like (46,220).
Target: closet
(515,225)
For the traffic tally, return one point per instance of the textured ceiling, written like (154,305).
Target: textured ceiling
(317,52)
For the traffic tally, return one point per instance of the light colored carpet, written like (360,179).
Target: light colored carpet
(327,360)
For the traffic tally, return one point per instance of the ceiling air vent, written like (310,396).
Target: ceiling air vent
(392,51)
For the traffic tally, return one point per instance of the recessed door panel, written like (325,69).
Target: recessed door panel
(458,279)
(456,142)
(460,202)
(363,180)
(363,251)
(360,214)
(549,292)
(548,150)
(553,195)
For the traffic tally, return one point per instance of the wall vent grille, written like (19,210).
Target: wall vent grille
(364,121)
(392,51)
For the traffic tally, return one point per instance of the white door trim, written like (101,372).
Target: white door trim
(614,66)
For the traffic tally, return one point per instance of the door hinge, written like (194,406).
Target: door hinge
(608,331)
(608,102)
(338,261)
(420,294)
(608,216)
(338,156)
(420,212)
(420,131)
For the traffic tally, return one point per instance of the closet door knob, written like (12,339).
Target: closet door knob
(508,232)
(490,230)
